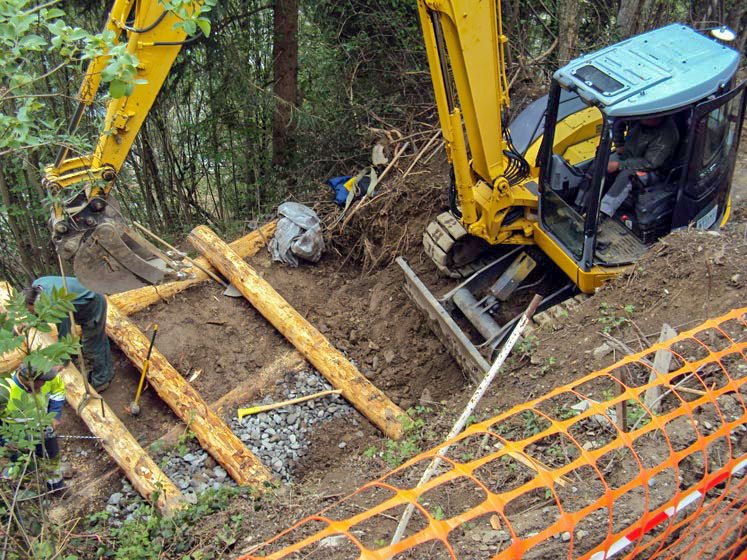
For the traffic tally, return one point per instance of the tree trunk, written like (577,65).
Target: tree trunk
(214,436)
(285,88)
(20,240)
(146,477)
(627,17)
(330,362)
(133,301)
(568,11)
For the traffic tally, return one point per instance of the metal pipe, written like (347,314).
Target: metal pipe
(479,318)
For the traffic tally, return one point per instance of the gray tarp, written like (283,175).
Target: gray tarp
(298,234)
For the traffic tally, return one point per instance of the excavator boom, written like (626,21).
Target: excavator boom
(87,225)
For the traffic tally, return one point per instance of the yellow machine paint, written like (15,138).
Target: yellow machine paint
(86,223)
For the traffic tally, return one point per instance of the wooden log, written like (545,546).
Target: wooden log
(212,433)
(133,301)
(11,360)
(246,390)
(242,393)
(145,475)
(330,362)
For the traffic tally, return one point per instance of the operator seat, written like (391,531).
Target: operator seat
(652,206)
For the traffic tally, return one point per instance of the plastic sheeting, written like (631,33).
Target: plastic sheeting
(298,235)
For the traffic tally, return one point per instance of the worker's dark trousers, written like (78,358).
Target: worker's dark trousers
(91,316)
(621,188)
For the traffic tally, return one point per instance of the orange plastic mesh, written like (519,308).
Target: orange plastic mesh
(557,478)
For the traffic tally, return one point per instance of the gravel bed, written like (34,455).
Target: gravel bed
(278,437)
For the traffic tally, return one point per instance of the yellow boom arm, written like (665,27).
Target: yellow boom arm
(87,226)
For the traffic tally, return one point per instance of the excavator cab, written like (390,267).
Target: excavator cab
(671,75)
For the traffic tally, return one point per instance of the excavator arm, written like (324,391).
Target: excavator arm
(86,222)
(464,43)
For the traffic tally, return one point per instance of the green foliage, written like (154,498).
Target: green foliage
(636,412)
(415,430)
(30,533)
(608,316)
(150,535)
(533,423)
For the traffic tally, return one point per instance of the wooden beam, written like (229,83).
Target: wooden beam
(11,360)
(241,394)
(247,389)
(330,362)
(212,433)
(133,301)
(145,475)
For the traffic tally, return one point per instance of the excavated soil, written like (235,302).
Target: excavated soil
(355,296)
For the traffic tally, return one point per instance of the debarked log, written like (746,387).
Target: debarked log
(329,361)
(146,477)
(133,301)
(214,435)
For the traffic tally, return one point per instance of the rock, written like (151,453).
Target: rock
(342,445)
(580,534)
(210,463)
(601,351)
(183,484)
(566,536)
(334,540)
(425,396)
(220,474)
(189,458)
(66,470)
(389,356)
(114,499)
(589,445)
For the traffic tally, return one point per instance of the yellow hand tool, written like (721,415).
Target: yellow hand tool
(255,409)
(134,406)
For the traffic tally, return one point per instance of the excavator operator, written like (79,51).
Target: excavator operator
(643,155)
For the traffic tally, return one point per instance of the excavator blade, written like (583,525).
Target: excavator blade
(113,258)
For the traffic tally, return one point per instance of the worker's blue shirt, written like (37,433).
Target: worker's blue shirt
(83,294)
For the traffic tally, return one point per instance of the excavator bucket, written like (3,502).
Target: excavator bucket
(113,258)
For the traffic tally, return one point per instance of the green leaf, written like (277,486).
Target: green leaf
(204,26)
(117,89)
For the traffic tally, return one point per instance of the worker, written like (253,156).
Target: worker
(17,395)
(90,314)
(643,155)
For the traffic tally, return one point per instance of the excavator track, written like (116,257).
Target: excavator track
(455,252)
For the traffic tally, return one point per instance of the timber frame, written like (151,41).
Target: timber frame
(212,433)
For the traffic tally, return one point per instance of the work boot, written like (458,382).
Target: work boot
(100,388)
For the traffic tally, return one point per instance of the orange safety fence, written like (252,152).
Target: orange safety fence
(558,478)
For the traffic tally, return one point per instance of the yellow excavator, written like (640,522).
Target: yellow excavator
(515,222)
(87,225)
